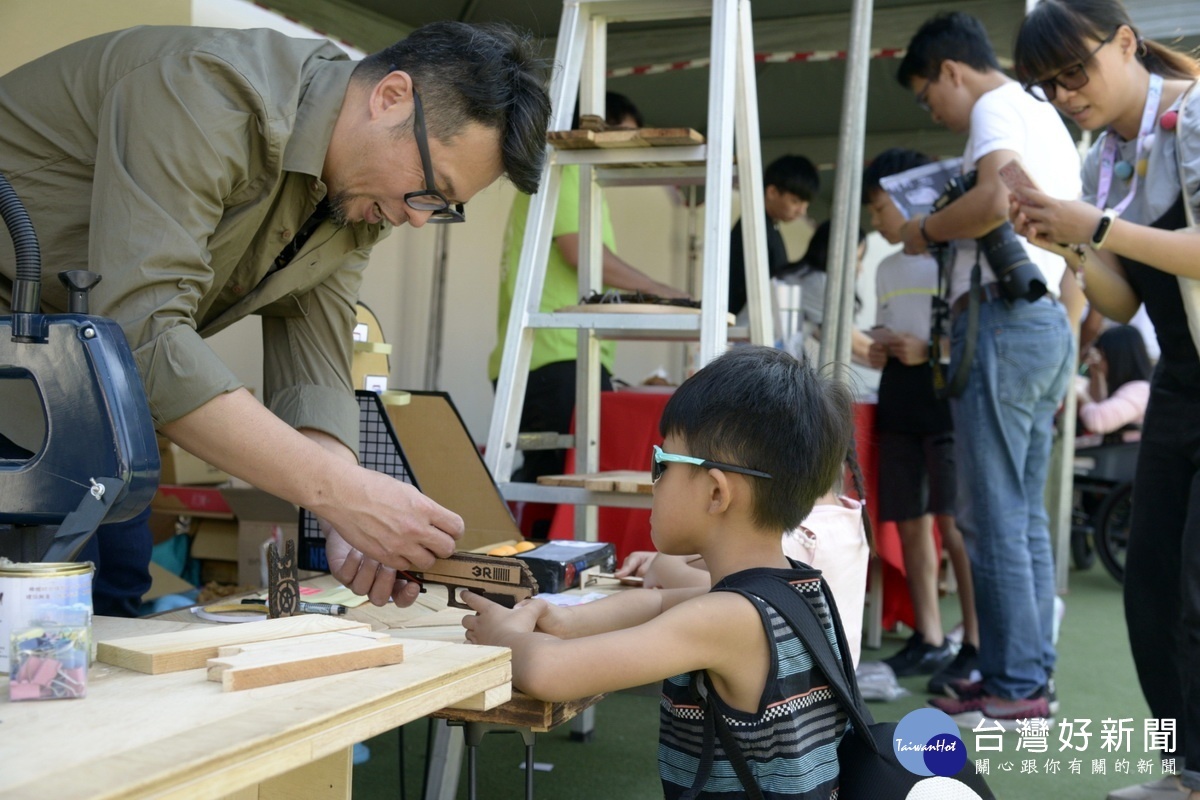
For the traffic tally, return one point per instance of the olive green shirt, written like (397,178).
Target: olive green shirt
(177,163)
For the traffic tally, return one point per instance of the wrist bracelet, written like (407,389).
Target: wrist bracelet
(924,235)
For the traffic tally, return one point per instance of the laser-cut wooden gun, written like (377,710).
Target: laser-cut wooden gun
(501,579)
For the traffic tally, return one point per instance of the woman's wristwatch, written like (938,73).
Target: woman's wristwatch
(1103,228)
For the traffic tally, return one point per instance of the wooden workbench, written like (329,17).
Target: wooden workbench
(177,735)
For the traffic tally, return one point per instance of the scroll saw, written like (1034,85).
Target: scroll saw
(99,460)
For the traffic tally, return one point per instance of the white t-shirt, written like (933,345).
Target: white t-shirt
(904,290)
(1009,118)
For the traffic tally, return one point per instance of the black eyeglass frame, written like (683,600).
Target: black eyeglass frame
(1049,86)
(429,198)
(659,460)
(922,97)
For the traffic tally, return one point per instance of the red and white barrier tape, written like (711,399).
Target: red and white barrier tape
(761,58)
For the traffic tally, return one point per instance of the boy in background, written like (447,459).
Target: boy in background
(728,483)
(916,441)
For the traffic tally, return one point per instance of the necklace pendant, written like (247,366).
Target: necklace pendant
(1123,170)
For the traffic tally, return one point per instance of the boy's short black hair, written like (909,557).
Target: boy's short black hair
(759,407)
(892,161)
(953,36)
(794,174)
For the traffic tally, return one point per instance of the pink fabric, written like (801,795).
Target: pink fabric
(1126,406)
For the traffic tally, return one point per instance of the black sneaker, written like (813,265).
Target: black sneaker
(965,667)
(919,658)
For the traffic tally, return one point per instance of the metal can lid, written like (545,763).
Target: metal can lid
(48,569)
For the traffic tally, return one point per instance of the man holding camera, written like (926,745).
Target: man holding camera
(1022,356)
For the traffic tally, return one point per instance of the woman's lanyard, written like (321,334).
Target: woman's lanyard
(1145,140)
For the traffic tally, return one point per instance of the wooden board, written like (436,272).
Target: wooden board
(623,138)
(191,649)
(635,308)
(249,666)
(630,481)
(178,737)
(522,711)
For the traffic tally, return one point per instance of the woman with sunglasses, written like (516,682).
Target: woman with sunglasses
(1127,240)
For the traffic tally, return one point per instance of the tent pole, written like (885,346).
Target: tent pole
(838,322)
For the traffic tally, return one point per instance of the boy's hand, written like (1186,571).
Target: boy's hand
(492,623)
(636,564)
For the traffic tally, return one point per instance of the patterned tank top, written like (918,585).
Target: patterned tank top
(790,743)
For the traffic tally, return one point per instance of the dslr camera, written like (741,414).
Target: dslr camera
(1019,278)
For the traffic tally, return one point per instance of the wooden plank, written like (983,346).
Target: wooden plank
(624,138)
(297,658)
(572,140)
(632,481)
(170,652)
(628,481)
(525,712)
(486,701)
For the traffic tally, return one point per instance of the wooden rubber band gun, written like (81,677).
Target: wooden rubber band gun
(501,579)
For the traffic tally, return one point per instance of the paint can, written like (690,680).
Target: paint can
(46,602)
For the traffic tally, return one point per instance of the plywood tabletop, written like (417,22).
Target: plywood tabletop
(177,735)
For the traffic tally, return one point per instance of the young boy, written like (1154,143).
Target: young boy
(916,441)
(751,441)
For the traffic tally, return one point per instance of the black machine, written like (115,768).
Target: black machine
(98,461)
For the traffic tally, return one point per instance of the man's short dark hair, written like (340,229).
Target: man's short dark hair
(795,175)
(953,36)
(760,408)
(491,74)
(892,161)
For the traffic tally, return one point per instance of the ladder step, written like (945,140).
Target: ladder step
(624,138)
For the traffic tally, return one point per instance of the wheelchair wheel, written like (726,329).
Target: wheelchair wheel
(1112,530)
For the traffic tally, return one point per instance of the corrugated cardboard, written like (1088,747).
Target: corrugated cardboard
(258,514)
(164,582)
(179,467)
(448,468)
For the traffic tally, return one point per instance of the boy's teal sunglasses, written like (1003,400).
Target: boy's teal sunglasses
(658,464)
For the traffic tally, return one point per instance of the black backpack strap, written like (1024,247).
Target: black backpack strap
(714,722)
(803,619)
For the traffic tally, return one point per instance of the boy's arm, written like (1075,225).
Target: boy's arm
(720,632)
(624,609)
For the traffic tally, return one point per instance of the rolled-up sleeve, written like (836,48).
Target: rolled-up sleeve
(306,357)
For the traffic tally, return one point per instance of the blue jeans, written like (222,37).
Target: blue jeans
(121,553)
(1004,423)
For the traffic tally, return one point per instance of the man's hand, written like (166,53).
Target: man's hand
(366,576)
(881,340)
(492,623)
(909,350)
(387,526)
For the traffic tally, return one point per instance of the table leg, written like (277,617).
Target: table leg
(444,761)
(583,726)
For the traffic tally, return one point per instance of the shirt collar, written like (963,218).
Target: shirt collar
(318,111)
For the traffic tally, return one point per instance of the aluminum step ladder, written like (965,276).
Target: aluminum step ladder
(732,116)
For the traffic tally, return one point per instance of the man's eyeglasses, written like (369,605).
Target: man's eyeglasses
(658,465)
(923,97)
(1072,78)
(429,198)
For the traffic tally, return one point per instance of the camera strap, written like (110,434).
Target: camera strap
(953,386)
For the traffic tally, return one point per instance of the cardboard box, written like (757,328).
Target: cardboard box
(233,524)
(181,468)
(164,582)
